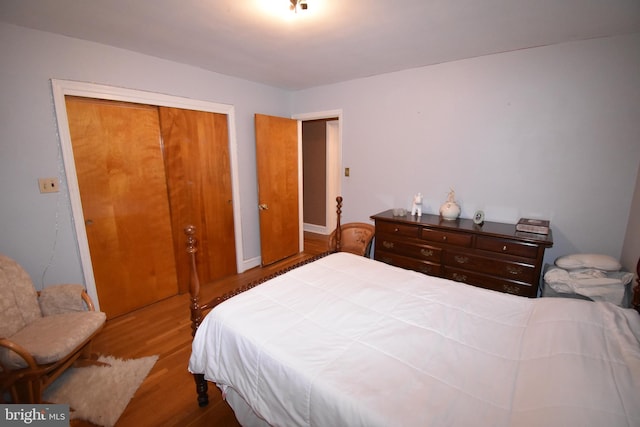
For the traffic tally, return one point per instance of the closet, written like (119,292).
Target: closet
(144,172)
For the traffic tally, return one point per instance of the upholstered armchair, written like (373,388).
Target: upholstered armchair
(353,237)
(41,333)
(356,238)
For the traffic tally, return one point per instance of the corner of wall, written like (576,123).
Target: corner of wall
(631,247)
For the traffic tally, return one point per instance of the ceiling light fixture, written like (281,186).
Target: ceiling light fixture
(298,4)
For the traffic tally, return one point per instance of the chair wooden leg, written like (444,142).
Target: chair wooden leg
(88,358)
(83,363)
(36,387)
(9,390)
(87,352)
(26,391)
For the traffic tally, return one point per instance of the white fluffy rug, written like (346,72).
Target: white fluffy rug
(100,394)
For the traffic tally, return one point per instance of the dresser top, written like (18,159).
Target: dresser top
(497,229)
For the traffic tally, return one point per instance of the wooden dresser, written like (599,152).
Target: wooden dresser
(493,256)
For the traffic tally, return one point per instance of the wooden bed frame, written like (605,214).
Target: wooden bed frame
(199,309)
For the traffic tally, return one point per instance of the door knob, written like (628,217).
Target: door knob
(263,206)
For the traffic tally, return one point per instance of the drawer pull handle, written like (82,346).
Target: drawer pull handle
(426,252)
(514,270)
(461,259)
(444,238)
(511,289)
(459,277)
(504,248)
(387,244)
(395,230)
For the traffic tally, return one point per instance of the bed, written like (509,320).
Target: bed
(344,340)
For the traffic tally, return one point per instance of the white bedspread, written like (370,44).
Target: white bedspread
(348,341)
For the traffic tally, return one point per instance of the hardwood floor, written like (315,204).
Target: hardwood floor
(167,397)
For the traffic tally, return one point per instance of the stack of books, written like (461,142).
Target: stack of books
(529,225)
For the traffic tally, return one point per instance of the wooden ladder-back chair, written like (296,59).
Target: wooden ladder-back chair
(41,333)
(353,237)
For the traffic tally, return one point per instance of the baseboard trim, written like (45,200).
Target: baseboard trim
(248,264)
(318,229)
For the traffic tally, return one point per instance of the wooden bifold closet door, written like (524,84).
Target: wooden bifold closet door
(198,168)
(120,172)
(137,196)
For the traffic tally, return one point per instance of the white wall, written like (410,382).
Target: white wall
(37,228)
(631,248)
(549,132)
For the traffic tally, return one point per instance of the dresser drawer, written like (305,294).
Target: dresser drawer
(447,237)
(509,247)
(490,282)
(408,263)
(397,229)
(521,272)
(387,243)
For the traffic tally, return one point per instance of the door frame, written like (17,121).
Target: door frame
(334,165)
(61,88)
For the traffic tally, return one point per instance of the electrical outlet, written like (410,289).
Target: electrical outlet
(48,185)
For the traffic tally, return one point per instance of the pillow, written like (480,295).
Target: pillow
(58,299)
(601,262)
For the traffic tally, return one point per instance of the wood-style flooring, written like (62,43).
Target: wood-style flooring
(167,397)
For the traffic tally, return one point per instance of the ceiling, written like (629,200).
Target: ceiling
(333,41)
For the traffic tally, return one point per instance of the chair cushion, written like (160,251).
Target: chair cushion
(58,299)
(52,338)
(18,298)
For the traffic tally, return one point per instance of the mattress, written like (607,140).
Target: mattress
(349,341)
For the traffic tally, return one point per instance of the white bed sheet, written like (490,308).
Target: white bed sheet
(348,341)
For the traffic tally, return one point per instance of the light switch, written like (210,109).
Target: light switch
(346,171)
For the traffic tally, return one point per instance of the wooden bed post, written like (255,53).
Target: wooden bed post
(196,309)
(635,302)
(194,281)
(338,228)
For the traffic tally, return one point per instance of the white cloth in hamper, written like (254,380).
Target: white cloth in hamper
(593,283)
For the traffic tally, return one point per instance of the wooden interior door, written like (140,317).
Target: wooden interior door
(198,168)
(122,183)
(278,200)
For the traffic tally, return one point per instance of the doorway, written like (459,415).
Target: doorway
(324,159)
(278,171)
(332,184)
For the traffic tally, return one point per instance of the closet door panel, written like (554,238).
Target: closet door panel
(122,183)
(198,168)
